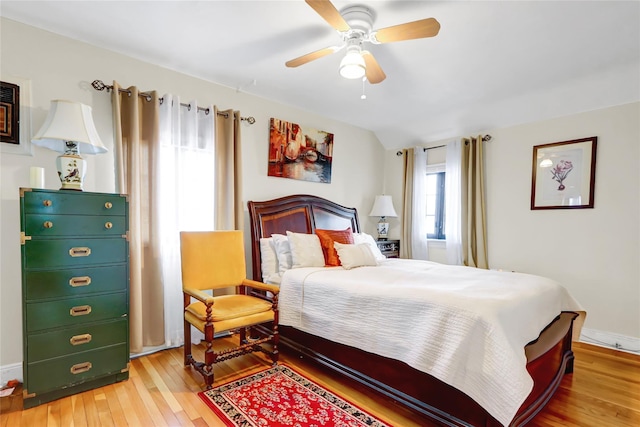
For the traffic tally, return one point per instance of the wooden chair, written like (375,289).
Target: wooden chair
(214,260)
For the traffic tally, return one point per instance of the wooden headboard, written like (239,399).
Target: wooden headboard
(300,213)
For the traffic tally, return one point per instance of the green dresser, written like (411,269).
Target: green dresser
(75,292)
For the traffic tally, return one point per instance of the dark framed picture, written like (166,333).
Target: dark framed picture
(9,113)
(15,115)
(564,174)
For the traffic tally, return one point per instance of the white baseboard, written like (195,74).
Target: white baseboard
(10,372)
(611,340)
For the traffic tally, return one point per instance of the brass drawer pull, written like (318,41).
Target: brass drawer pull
(83,251)
(80,339)
(48,224)
(108,225)
(108,205)
(80,368)
(81,310)
(74,282)
(47,203)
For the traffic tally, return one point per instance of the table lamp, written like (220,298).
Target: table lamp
(383,207)
(69,130)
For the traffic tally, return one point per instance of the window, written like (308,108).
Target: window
(435,202)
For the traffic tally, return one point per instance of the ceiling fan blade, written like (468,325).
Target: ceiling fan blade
(373,71)
(411,30)
(312,56)
(329,13)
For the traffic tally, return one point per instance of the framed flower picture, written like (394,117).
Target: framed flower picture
(564,174)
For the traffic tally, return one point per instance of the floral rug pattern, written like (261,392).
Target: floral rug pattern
(281,397)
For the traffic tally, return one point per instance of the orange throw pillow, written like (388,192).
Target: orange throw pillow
(327,237)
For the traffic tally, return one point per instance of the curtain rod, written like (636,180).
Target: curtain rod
(99,85)
(485,138)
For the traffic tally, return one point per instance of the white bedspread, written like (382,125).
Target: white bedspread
(465,326)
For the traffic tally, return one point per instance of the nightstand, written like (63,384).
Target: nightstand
(389,248)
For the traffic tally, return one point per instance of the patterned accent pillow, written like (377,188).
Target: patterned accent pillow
(327,238)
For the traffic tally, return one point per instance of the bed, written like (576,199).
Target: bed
(548,356)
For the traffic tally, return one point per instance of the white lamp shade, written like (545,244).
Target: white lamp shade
(69,121)
(383,206)
(352,65)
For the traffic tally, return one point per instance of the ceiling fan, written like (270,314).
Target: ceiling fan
(355,25)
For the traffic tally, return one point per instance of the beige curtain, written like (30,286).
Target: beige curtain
(406,242)
(136,145)
(473,226)
(407,204)
(414,200)
(229,212)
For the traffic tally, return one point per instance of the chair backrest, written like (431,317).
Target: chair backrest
(212,259)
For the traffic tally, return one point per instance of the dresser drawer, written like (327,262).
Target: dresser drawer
(48,225)
(70,370)
(75,311)
(63,342)
(72,203)
(74,252)
(74,282)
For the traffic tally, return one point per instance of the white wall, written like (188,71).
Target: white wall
(59,67)
(594,253)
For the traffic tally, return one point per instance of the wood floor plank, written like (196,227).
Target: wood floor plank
(117,414)
(604,390)
(40,415)
(175,384)
(53,416)
(90,409)
(152,390)
(79,413)
(66,412)
(142,412)
(127,405)
(160,383)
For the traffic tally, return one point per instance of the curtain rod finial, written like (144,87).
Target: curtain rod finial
(99,85)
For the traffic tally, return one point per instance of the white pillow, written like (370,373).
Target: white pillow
(358,255)
(306,250)
(359,238)
(283,252)
(269,259)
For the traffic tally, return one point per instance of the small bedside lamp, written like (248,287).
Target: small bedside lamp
(69,130)
(383,207)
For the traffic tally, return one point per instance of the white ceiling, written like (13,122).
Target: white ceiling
(493,64)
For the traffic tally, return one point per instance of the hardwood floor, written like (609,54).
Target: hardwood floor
(603,391)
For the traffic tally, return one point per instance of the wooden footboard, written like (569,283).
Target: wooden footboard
(550,357)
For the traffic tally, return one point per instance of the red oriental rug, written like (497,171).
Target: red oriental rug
(279,396)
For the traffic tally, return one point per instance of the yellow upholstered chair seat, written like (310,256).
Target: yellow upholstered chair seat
(213,260)
(230,312)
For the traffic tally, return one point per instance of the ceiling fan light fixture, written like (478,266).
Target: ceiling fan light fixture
(352,65)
